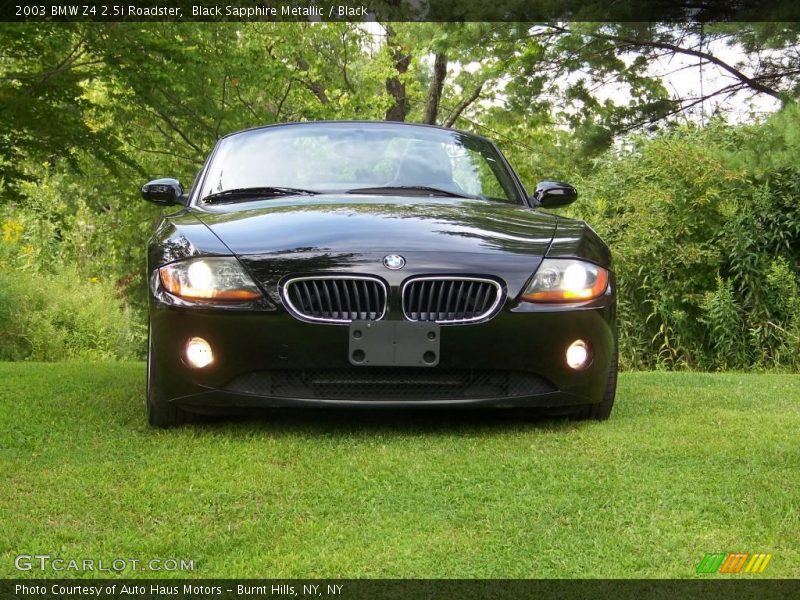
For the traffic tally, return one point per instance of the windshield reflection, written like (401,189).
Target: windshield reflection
(339,157)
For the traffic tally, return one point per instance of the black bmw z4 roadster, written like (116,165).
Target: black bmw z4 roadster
(374,264)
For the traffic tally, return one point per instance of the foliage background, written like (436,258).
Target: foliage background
(704,222)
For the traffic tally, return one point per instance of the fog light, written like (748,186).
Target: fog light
(578,354)
(198,353)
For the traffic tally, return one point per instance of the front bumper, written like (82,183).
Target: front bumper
(526,342)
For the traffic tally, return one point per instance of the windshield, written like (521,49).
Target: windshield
(369,158)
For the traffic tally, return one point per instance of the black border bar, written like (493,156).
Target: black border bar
(735,587)
(401,10)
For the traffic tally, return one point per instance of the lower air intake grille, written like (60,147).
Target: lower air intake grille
(450,299)
(335,299)
(390,384)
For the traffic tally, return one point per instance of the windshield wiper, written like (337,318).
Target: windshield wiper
(252,193)
(428,190)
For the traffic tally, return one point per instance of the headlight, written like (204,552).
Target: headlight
(209,279)
(560,280)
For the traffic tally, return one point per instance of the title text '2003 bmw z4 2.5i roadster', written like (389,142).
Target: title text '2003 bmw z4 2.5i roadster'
(374,264)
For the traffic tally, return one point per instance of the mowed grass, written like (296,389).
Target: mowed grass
(688,464)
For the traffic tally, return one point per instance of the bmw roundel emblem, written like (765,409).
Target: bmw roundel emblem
(394,262)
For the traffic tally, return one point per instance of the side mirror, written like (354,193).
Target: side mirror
(163,191)
(551,194)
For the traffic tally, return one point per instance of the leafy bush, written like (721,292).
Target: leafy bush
(62,317)
(724,321)
(59,293)
(706,238)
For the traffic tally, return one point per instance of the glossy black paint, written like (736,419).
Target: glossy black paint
(552,194)
(575,239)
(341,234)
(347,223)
(164,191)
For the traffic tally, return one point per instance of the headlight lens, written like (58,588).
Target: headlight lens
(565,280)
(209,279)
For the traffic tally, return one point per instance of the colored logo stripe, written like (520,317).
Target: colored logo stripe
(758,563)
(710,563)
(733,562)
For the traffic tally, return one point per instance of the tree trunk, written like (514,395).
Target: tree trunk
(462,106)
(435,89)
(394,85)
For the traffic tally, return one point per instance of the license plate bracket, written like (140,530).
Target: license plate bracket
(394,344)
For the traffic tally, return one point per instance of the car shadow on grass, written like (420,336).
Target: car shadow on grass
(325,421)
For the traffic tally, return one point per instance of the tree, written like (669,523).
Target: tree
(570,69)
(47,113)
(769,65)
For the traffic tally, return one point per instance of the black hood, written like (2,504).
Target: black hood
(380,224)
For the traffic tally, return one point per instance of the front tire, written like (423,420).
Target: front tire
(160,412)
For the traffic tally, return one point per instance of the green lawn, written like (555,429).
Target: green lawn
(688,464)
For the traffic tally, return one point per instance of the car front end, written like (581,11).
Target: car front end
(291,344)
(390,295)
